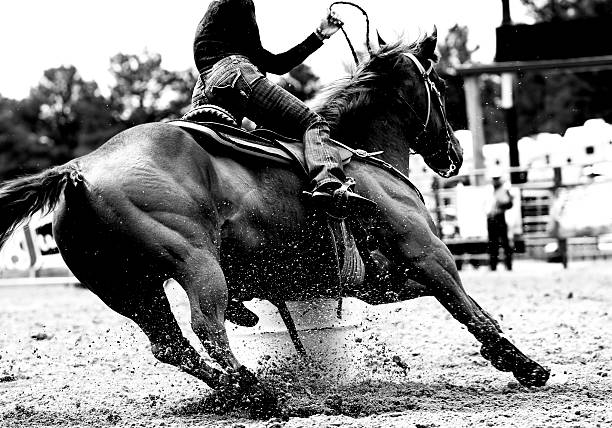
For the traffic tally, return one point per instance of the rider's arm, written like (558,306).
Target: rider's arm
(284,62)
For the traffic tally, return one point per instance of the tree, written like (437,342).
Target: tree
(551,101)
(65,116)
(301,82)
(67,113)
(550,10)
(454,52)
(145,92)
(17,144)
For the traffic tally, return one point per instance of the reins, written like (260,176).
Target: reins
(425,75)
(348,40)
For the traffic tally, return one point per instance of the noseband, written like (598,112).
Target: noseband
(429,88)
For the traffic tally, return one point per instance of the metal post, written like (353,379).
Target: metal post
(506,20)
(507,103)
(512,130)
(557,177)
(474,114)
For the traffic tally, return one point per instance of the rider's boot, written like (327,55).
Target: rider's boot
(340,198)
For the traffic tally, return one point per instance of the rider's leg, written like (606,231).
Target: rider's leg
(272,106)
(238,86)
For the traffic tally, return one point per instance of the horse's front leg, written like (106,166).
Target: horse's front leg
(417,254)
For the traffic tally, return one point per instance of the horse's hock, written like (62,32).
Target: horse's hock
(333,344)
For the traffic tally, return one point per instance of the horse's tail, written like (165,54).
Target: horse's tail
(22,197)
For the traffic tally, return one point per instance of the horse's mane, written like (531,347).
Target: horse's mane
(377,78)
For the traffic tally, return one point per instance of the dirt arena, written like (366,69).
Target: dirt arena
(68,361)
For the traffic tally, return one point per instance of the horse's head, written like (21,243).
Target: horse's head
(418,94)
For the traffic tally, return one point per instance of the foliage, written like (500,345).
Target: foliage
(20,151)
(145,92)
(69,110)
(66,116)
(301,82)
(552,101)
(454,52)
(547,10)
(547,101)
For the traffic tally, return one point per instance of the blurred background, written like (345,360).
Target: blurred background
(528,95)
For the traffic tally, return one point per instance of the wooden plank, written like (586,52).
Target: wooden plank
(28,281)
(575,64)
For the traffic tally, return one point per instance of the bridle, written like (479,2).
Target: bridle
(429,88)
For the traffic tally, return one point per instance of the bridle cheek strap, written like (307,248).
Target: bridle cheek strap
(427,81)
(430,86)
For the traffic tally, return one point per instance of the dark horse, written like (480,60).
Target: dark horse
(152,204)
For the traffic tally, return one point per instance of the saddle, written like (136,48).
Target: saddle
(224,134)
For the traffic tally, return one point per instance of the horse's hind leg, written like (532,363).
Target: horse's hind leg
(150,309)
(204,282)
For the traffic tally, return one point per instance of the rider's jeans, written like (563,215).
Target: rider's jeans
(238,86)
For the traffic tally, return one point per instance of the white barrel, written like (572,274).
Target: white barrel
(333,344)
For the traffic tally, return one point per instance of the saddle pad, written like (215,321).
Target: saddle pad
(261,143)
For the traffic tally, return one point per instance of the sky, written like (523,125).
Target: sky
(39,34)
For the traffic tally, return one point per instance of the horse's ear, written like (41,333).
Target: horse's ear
(378,44)
(428,45)
(381,42)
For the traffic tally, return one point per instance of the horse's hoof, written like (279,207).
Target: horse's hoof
(263,403)
(533,376)
(495,357)
(243,389)
(504,356)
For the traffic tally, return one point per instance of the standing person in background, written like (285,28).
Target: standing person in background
(497,227)
(233,64)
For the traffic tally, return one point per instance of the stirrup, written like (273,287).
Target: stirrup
(341,200)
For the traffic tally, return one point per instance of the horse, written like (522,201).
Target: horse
(152,204)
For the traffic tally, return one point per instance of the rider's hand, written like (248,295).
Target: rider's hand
(329,25)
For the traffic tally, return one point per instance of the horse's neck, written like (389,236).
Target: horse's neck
(384,133)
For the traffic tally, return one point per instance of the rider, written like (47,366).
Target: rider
(232,65)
